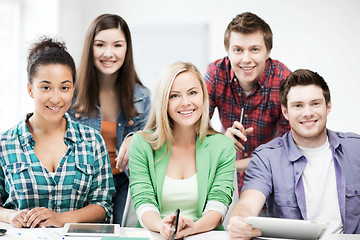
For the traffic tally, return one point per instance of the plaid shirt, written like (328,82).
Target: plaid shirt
(262,109)
(82,177)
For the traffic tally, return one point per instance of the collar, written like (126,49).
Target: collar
(25,136)
(294,152)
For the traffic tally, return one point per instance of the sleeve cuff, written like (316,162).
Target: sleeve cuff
(216,206)
(144,208)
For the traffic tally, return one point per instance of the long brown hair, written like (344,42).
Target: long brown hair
(87,85)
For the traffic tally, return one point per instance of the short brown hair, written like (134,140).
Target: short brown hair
(247,23)
(303,77)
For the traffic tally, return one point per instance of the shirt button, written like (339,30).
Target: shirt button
(119,124)
(245,154)
(245,115)
(131,122)
(279,143)
(297,173)
(356,192)
(77,115)
(239,94)
(288,202)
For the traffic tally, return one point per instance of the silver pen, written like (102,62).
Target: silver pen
(241,115)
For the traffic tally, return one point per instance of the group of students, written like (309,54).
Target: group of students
(69,160)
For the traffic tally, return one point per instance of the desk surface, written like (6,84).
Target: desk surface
(38,234)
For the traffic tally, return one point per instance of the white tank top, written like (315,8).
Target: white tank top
(182,194)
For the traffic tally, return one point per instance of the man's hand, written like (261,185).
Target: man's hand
(238,133)
(239,229)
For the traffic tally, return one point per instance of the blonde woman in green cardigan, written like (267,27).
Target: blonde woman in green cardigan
(179,161)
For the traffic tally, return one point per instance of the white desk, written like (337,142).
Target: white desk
(38,234)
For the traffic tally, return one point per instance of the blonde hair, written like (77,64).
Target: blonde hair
(158,128)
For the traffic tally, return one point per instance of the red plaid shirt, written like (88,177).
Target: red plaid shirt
(262,109)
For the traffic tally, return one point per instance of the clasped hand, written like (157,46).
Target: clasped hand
(36,217)
(185,227)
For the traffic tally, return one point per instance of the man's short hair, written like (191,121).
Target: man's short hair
(247,23)
(303,77)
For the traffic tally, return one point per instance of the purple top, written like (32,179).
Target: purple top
(276,168)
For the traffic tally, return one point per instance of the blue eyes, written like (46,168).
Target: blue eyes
(254,50)
(178,95)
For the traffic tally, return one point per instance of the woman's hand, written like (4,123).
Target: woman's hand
(39,217)
(167,228)
(187,228)
(123,156)
(17,219)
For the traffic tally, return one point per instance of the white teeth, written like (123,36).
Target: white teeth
(53,108)
(308,123)
(246,69)
(107,63)
(186,112)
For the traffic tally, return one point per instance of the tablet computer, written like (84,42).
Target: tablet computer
(91,229)
(288,228)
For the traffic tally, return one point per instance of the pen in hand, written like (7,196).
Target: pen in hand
(175,223)
(241,115)
(241,119)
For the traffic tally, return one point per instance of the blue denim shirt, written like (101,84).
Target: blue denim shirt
(124,126)
(276,170)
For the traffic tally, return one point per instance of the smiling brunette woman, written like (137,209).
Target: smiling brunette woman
(179,161)
(110,97)
(52,169)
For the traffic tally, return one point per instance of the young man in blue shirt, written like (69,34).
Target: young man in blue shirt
(310,172)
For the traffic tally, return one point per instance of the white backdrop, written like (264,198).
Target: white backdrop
(321,35)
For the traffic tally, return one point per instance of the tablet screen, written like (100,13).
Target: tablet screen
(90,229)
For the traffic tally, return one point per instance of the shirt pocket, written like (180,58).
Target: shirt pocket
(285,205)
(84,174)
(352,201)
(137,123)
(21,186)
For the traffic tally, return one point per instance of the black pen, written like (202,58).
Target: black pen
(175,224)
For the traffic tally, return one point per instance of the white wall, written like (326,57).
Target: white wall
(320,35)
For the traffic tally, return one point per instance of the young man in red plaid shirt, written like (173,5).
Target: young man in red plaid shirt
(247,80)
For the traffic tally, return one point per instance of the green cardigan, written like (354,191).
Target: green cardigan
(215,166)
